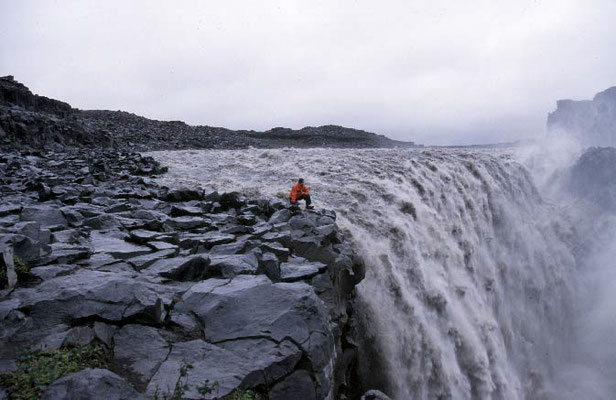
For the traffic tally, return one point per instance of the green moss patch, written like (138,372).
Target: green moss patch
(38,369)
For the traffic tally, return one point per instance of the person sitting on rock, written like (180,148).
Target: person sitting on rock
(299,191)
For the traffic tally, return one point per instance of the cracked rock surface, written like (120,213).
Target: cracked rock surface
(182,286)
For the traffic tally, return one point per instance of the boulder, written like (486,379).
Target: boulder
(249,307)
(91,384)
(239,365)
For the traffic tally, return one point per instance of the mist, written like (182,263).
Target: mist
(442,72)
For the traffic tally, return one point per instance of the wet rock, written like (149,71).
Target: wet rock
(91,384)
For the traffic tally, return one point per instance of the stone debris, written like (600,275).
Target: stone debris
(249,294)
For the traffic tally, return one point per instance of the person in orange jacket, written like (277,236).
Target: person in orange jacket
(299,191)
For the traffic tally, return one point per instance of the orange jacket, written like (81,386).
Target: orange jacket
(297,191)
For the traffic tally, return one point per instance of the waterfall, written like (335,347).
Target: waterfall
(469,291)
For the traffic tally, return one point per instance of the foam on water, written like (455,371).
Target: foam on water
(468,293)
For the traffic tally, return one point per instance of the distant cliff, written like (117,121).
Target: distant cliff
(30,119)
(593,122)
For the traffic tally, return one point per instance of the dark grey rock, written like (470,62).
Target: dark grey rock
(228,266)
(298,268)
(104,332)
(298,385)
(91,384)
(44,215)
(7,209)
(140,350)
(206,240)
(181,211)
(375,395)
(102,222)
(186,223)
(64,254)
(79,336)
(51,271)
(180,268)
(146,260)
(280,216)
(248,307)
(116,247)
(270,265)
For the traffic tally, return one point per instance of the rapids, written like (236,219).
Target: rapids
(468,293)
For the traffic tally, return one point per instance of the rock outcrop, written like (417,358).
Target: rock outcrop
(592,122)
(190,292)
(29,119)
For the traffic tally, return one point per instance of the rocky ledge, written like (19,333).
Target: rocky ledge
(185,292)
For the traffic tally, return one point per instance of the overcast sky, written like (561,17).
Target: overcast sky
(437,72)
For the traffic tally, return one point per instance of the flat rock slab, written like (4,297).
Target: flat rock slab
(88,294)
(246,365)
(186,223)
(117,248)
(228,266)
(144,261)
(44,214)
(207,239)
(7,209)
(298,268)
(139,349)
(91,384)
(64,254)
(253,306)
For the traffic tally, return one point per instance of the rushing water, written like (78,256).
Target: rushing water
(468,293)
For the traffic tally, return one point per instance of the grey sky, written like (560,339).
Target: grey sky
(432,71)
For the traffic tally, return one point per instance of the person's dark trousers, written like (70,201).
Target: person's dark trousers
(305,197)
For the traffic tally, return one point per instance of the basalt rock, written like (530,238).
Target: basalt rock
(249,293)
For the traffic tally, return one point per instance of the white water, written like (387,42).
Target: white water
(471,299)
